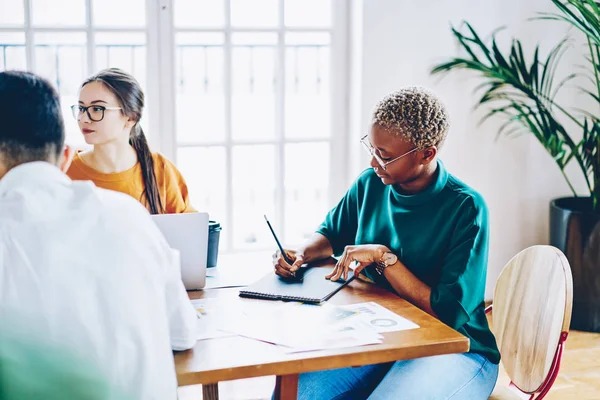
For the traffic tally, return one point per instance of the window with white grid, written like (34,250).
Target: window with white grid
(246,96)
(254,96)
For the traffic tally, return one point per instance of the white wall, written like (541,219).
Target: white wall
(401,41)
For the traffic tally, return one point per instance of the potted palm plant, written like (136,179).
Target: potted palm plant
(524,95)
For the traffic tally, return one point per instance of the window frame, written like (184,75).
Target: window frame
(339,73)
(161,90)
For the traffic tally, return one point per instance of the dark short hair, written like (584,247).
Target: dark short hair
(31,122)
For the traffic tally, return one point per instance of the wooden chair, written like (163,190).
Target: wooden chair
(532,312)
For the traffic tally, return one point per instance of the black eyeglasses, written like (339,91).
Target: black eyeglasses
(94,112)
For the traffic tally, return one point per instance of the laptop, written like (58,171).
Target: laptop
(188,233)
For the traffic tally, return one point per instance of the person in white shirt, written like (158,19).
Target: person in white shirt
(80,266)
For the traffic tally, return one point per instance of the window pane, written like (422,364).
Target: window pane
(130,13)
(47,12)
(127,51)
(12,51)
(13,12)
(309,13)
(253,39)
(200,91)
(123,50)
(253,195)
(306,185)
(199,13)
(253,103)
(256,13)
(61,58)
(307,100)
(203,168)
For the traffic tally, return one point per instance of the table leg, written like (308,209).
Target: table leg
(286,387)
(210,392)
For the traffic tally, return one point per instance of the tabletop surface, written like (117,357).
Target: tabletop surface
(237,357)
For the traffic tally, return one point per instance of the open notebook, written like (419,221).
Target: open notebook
(312,288)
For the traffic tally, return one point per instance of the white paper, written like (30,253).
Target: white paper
(204,332)
(379,318)
(304,327)
(207,326)
(332,343)
(348,334)
(298,327)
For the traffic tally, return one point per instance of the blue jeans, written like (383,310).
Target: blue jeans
(453,376)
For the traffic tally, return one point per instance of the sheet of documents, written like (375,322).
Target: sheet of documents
(295,326)
(379,318)
(305,327)
(217,279)
(358,327)
(208,321)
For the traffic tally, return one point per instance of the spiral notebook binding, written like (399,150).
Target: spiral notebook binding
(271,287)
(258,295)
(244,293)
(298,298)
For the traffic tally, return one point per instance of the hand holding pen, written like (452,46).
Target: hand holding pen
(285,262)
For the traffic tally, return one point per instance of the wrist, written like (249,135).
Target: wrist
(380,252)
(386,259)
(301,253)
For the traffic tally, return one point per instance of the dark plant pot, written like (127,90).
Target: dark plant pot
(575,229)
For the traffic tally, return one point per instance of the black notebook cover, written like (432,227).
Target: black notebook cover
(311,288)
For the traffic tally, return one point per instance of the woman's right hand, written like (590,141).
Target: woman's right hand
(282,268)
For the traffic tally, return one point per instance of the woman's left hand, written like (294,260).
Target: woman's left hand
(364,255)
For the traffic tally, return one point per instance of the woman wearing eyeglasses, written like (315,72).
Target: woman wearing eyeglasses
(109,110)
(412,227)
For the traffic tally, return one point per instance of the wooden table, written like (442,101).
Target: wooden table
(222,359)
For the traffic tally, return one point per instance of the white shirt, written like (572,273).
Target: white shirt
(87,268)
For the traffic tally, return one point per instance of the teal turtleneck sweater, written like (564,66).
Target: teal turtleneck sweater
(440,235)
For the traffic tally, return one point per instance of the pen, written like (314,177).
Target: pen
(284,255)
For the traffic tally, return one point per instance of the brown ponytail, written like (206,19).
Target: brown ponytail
(130,95)
(138,141)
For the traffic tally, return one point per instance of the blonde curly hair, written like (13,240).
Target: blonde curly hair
(415,114)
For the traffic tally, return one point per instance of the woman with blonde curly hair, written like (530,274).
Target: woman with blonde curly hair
(417,230)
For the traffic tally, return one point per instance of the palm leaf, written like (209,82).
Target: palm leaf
(520,91)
